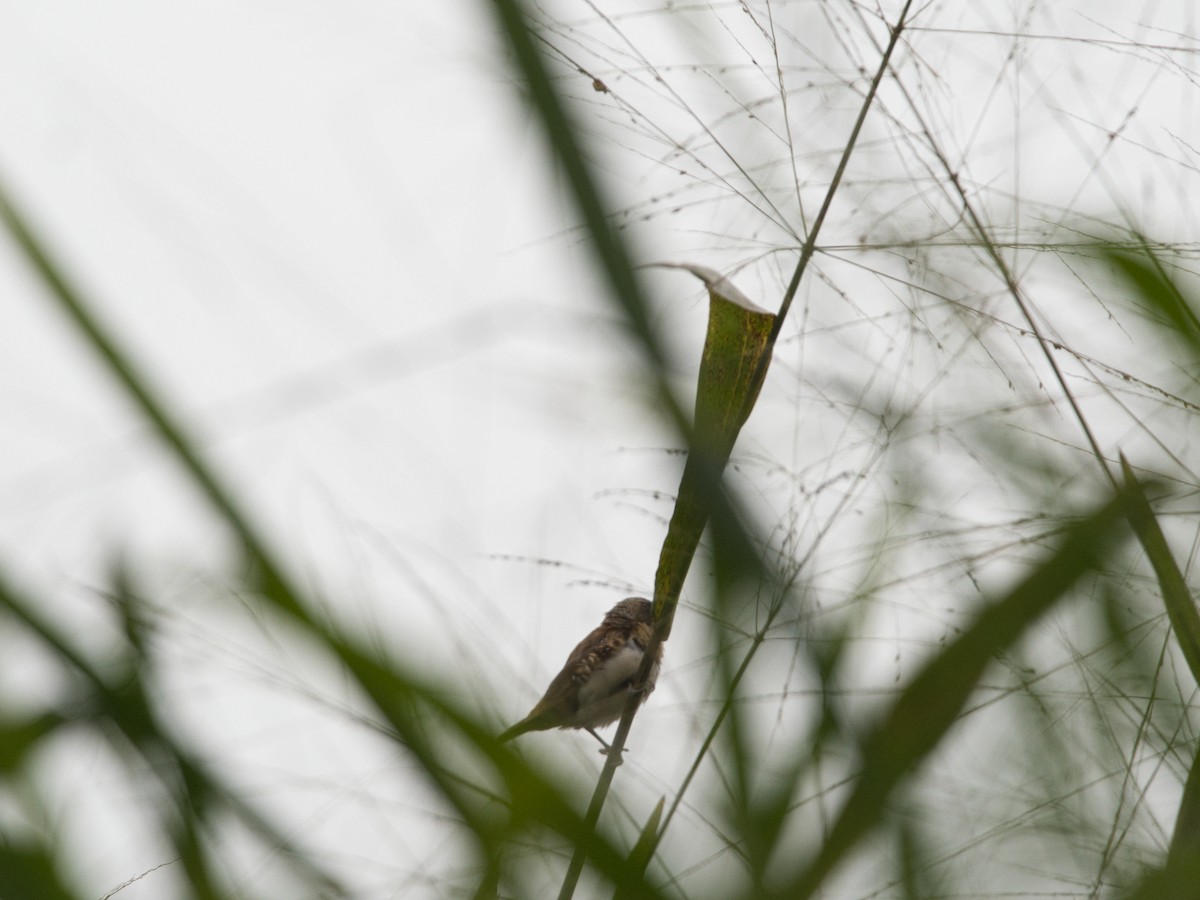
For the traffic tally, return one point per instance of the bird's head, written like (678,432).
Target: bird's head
(631,610)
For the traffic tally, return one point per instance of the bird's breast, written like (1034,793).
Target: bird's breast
(602,697)
(612,676)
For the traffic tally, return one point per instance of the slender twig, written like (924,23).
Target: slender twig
(756,642)
(810,244)
(1013,287)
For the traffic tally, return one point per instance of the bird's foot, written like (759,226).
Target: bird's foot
(608,751)
(606,748)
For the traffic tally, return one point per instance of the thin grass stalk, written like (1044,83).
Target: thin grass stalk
(1013,287)
(810,244)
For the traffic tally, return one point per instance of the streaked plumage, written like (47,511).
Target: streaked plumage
(593,686)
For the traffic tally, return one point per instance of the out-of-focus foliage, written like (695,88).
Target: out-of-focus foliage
(863,771)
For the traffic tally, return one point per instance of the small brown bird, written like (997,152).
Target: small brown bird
(593,686)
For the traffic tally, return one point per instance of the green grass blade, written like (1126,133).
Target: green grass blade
(19,737)
(931,703)
(1146,274)
(1177,881)
(1185,842)
(733,366)
(1185,622)
(26,872)
(121,700)
(643,850)
(1177,598)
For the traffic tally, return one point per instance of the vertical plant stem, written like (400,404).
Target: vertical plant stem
(1013,287)
(708,476)
(810,243)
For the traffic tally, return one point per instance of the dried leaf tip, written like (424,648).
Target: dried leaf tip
(716,283)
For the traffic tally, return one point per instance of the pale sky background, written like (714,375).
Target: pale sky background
(328,234)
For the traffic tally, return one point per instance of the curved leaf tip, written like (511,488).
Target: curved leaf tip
(716,283)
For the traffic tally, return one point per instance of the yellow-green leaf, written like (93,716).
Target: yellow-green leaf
(733,365)
(639,857)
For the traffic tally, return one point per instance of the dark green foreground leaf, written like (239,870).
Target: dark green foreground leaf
(1183,859)
(26,872)
(1177,598)
(1148,276)
(19,737)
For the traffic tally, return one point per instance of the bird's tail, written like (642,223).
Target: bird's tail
(518,729)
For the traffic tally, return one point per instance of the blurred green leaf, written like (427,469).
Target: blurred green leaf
(1185,842)
(563,136)
(27,873)
(1182,871)
(123,701)
(1179,880)
(18,737)
(1181,608)
(643,850)
(1146,273)
(931,703)
(733,365)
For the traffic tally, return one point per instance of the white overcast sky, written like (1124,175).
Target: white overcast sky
(327,233)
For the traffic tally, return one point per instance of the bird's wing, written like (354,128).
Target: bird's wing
(591,653)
